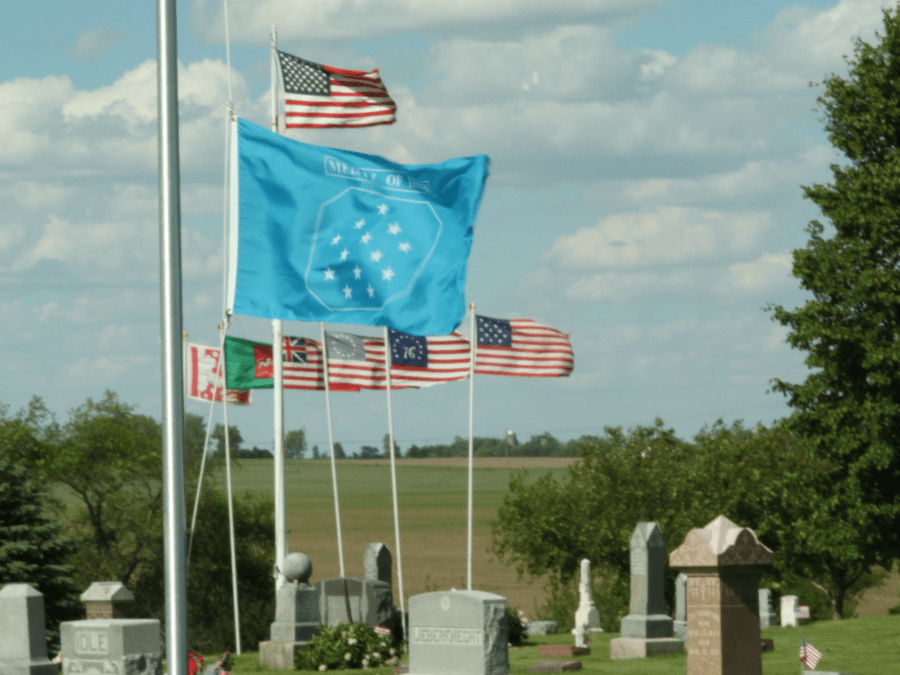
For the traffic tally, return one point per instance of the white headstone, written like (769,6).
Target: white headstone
(458,633)
(587,617)
(23,635)
(790,607)
(120,646)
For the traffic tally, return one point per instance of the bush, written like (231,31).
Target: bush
(518,629)
(348,646)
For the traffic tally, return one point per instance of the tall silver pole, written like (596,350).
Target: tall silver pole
(171,329)
(334,485)
(388,363)
(474,337)
(278,451)
(278,385)
(234,583)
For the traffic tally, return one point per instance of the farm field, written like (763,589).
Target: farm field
(432,498)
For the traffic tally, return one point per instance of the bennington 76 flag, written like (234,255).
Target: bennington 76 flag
(343,237)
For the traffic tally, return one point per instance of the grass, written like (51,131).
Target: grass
(432,498)
(867,646)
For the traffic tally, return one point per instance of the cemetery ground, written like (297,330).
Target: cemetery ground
(866,646)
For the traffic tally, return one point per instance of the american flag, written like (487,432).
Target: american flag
(318,96)
(809,655)
(521,347)
(415,361)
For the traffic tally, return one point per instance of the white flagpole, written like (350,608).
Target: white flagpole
(334,485)
(278,389)
(170,336)
(474,338)
(388,362)
(278,451)
(234,584)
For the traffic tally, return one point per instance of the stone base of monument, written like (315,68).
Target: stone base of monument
(277,655)
(563,650)
(554,666)
(641,648)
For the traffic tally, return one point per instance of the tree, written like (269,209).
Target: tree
(295,444)
(33,549)
(315,452)
(848,408)
(339,451)
(210,617)
(386,445)
(234,440)
(369,452)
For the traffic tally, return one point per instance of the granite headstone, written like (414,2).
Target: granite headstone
(647,630)
(458,633)
(587,617)
(23,633)
(790,608)
(370,601)
(296,615)
(378,563)
(680,623)
(767,617)
(723,563)
(111,646)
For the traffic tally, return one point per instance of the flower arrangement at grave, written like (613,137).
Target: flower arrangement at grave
(517,625)
(346,646)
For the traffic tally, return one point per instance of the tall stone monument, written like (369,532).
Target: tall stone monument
(587,616)
(23,633)
(723,563)
(458,633)
(647,629)
(296,615)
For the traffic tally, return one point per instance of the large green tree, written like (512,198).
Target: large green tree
(33,548)
(848,408)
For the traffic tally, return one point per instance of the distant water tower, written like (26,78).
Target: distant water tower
(511,440)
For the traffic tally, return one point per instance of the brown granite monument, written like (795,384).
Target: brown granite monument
(723,563)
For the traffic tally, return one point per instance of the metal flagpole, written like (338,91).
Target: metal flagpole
(334,485)
(234,588)
(278,451)
(388,362)
(474,338)
(278,387)
(171,329)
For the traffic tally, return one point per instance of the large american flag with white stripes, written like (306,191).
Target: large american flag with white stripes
(318,96)
(415,361)
(521,347)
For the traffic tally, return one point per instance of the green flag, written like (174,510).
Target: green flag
(248,364)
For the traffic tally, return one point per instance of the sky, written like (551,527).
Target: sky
(645,194)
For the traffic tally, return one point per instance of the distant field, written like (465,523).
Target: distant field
(432,499)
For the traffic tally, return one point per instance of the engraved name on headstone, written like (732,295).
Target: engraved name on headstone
(113,646)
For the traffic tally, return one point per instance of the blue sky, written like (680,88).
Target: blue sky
(647,158)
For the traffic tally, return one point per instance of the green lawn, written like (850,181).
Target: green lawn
(869,646)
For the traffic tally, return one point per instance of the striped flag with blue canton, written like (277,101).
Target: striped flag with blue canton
(809,655)
(331,235)
(521,348)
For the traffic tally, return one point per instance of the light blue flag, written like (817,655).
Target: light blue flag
(339,236)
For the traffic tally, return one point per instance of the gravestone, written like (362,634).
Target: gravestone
(107,600)
(111,646)
(458,633)
(378,563)
(543,627)
(587,617)
(723,563)
(296,615)
(23,633)
(370,601)
(767,617)
(790,608)
(680,623)
(647,630)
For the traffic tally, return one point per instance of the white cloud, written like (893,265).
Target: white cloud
(770,272)
(251,20)
(664,236)
(95,43)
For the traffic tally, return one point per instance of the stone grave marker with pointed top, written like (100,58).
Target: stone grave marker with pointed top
(23,633)
(647,630)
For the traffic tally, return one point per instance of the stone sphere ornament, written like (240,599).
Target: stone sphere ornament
(297,567)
